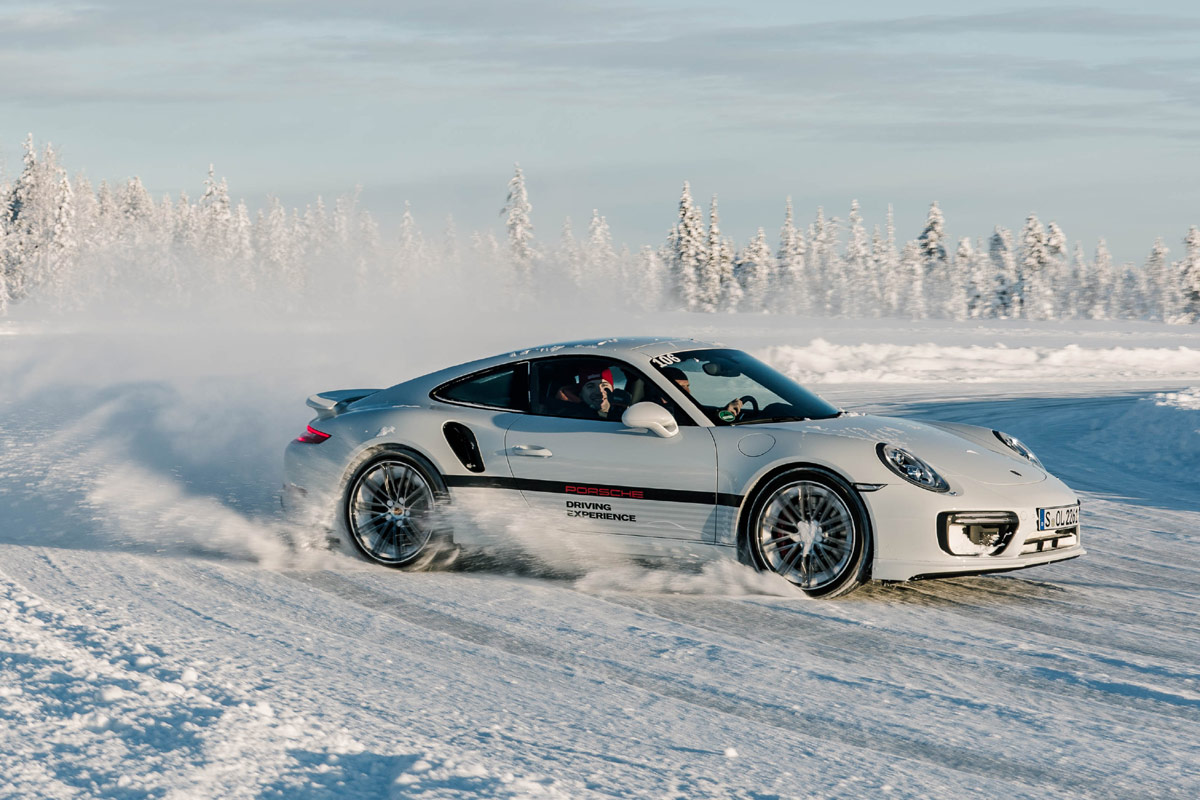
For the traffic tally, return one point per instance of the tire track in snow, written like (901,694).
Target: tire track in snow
(796,722)
(831,640)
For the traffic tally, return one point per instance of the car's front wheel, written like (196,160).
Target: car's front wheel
(810,527)
(392,510)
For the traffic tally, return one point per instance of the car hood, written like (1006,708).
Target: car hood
(947,452)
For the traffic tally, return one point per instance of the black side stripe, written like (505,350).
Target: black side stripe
(609,491)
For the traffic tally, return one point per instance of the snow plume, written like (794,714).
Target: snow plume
(163,432)
(139,467)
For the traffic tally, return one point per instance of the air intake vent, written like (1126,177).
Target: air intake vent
(463,443)
(975,533)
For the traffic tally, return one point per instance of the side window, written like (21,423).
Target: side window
(503,388)
(591,387)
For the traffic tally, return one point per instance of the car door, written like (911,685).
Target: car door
(596,475)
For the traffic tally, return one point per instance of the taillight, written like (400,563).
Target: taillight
(312,436)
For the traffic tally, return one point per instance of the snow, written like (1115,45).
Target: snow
(165,633)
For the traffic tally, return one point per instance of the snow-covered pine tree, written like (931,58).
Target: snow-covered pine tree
(932,240)
(409,258)
(731,286)
(688,250)
(1058,271)
(316,237)
(1129,301)
(217,235)
(791,291)
(487,249)
(62,248)
(599,257)
(517,209)
(86,212)
(569,254)
(1006,279)
(1080,297)
(822,271)
(892,282)
(1190,275)
(912,263)
(756,268)
(650,280)
(966,264)
(1161,291)
(1104,284)
(369,246)
(856,269)
(710,278)
(279,250)
(1034,270)
(242,258)
(873,284)
(19,224)
(945,289)
(450,250)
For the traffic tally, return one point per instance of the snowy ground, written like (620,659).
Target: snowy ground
(160,635)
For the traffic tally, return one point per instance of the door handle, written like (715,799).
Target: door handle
(537,451)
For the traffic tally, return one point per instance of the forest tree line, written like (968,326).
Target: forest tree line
(66,244)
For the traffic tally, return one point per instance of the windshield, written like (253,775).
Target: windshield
(732,388)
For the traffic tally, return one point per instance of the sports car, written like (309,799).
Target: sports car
(677,448)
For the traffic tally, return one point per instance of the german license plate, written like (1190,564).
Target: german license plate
(1058,517)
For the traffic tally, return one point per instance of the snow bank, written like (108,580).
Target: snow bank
(822,362)
(1186,399)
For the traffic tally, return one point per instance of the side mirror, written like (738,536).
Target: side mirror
(652,417)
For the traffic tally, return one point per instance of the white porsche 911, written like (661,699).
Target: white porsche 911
(661,446)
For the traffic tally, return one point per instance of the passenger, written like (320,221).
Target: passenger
(591,398)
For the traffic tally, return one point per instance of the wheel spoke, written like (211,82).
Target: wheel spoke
(823,559)
(373,520)
(417,493)
(777,542)
(789,562)
(375,491)
(389,482)
(402,489)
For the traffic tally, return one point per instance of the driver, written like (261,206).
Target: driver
(680,378)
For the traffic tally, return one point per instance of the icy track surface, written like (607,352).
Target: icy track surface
(163,633)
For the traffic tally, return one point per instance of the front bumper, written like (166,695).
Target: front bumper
(906,529)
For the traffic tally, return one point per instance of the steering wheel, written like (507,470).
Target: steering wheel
(752,400)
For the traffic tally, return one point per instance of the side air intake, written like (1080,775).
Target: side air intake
(464,445)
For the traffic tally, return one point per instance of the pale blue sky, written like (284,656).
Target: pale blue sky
(1086,115)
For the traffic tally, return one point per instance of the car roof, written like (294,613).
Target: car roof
(637,348)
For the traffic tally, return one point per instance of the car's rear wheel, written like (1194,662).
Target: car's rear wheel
(393,511)
(810,527)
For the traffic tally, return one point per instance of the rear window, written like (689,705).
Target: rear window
(503,388)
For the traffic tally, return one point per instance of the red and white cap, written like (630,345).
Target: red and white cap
(597,375)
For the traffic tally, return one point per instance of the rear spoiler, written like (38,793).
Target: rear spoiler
(330,404)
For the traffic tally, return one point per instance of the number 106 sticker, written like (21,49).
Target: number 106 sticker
(665,361)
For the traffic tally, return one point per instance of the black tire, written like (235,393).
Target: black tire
(393,511)
(810,527)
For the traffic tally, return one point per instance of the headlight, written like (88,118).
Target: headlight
(911,468)
(1018,447)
